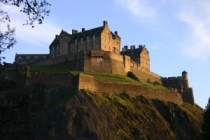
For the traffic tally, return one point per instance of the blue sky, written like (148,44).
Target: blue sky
(175,32)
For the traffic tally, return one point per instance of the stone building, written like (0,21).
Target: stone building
(96,49)
(99,50)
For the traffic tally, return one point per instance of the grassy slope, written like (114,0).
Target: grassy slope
(104,77)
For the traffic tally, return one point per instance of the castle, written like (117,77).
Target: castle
(99,50)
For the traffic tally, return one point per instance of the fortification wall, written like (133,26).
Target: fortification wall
(109,62)
(87,82)
(127,63)
(105,62)
(117,63)
(187,96)
(97,64)
(66,80)
(146,76)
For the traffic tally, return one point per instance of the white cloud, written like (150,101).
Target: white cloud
(40,35)
(139,8)
(198,23)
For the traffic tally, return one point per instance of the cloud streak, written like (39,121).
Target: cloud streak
(138,8)
(199,29)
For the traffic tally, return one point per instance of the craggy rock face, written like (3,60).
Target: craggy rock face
(54,113)
(123,117)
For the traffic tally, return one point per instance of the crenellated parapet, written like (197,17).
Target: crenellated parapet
(139,56)
(181,84)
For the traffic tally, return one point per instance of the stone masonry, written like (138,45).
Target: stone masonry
(99,50)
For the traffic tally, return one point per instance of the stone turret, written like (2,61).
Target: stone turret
(105,23)
(187,94)
(185,75)
(185,80)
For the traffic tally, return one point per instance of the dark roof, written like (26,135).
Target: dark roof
(65,33)
(133,52)
(91,32)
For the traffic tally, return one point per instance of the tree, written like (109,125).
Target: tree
(206,122)
(36,11)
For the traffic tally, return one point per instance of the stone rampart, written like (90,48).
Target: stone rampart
(146,76)
(105,62)
(87,82)
(65,80)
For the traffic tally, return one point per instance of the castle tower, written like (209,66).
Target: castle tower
(185,80)
(144,58)
(187,94)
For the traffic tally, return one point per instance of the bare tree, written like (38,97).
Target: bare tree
(36,11)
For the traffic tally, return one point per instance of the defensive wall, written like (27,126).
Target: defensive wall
(109,62)
(64,80)
(89,83)
(22,76)
(105,62)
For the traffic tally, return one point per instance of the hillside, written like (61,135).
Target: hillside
(55,113)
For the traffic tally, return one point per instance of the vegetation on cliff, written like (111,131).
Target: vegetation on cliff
(44,113)
(104,77)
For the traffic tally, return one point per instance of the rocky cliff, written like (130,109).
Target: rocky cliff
(54,113)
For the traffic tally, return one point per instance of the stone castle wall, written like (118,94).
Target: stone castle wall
(87,82)
(105,62)
(181,84)
(146,76)
(108,62)
(50,79)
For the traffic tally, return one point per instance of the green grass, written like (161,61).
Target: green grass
(111,77)
(104,77)
(153,86)
(192,110)
(107,77)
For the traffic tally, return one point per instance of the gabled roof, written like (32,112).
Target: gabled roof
(64,33)
(84,33)
(91,32)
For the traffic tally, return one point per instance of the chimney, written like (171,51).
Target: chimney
(83,29)
(74,31)
(184,75)
(141,46)
(132,47)
(105,23)
(125,48)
